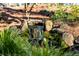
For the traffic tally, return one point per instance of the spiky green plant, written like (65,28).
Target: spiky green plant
(15,44)
(12,43)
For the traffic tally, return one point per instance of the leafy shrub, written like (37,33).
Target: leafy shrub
(61,13)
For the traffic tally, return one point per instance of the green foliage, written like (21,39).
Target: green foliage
(12,43)
(59,14)
(15,44)
(56,39)
(65,16)
(75,12)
